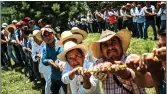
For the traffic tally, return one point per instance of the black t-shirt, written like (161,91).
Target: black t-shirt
(149,9)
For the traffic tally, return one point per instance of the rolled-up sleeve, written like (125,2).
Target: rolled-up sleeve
(44,57)
(94,85)
(65,74)
(33,54)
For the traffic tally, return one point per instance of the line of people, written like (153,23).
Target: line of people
(136,17)
(64,62)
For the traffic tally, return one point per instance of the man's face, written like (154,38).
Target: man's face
(48,37)
(75,58)
(112,49)
(162,41)
(147,3)
(133,4)
(139,6)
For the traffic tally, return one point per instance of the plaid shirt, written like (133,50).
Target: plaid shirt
(110,86)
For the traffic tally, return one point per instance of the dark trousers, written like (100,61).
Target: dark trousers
(90,27)
(135,32)
(19,55)
(127,23)
(147,23)
(36,70)
(5,59)
(55,86)
(119,24)
(140,29)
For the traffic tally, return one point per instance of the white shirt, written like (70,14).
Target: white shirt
(123,13)
(132,12)
(141,15)
(76,87)
(39,49)
(163,16)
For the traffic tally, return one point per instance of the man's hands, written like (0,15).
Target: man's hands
(54,64)
(86,76)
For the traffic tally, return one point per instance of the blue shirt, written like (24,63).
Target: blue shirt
(141,15)
(162,89)
(12,38)
(35,28)
(51,53)
(163,16)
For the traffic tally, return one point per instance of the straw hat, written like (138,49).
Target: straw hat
(37,34)
(76,30)
(10,26)
(124,35)
(14,21)
(70,45)
(163,3)
(68,35)
(46,30)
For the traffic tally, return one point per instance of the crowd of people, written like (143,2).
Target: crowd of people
(66,62)
(137,17)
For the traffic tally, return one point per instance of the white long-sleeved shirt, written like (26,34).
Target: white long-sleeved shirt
(75,84)
(163,16)
(123,13)
(39,49)
(132,12)
(140,15)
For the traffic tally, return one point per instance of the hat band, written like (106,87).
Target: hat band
(106,36)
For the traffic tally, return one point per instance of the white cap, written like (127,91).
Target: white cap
(4,25)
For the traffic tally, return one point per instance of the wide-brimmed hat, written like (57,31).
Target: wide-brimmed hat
(128,4)
(37,34)
(76,30)
(70,45)
(10,26)
(124,35)
(68,35)
(163,3)
(43,30)
(14,21)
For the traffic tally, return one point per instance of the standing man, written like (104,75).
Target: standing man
(134,27)
(140,18)
(49,57)
(162,14)
(149,11)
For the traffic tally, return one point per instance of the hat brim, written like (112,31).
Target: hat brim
(82,32)
(10,26)
(78,37)
(62,55)
(124,35)
(38,35)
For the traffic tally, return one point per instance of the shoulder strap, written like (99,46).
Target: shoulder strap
(121,85)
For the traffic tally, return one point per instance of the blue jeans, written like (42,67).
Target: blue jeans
(107,25)
(163,24)
(140,29)
(146,25)
(10,50)
(114,27)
